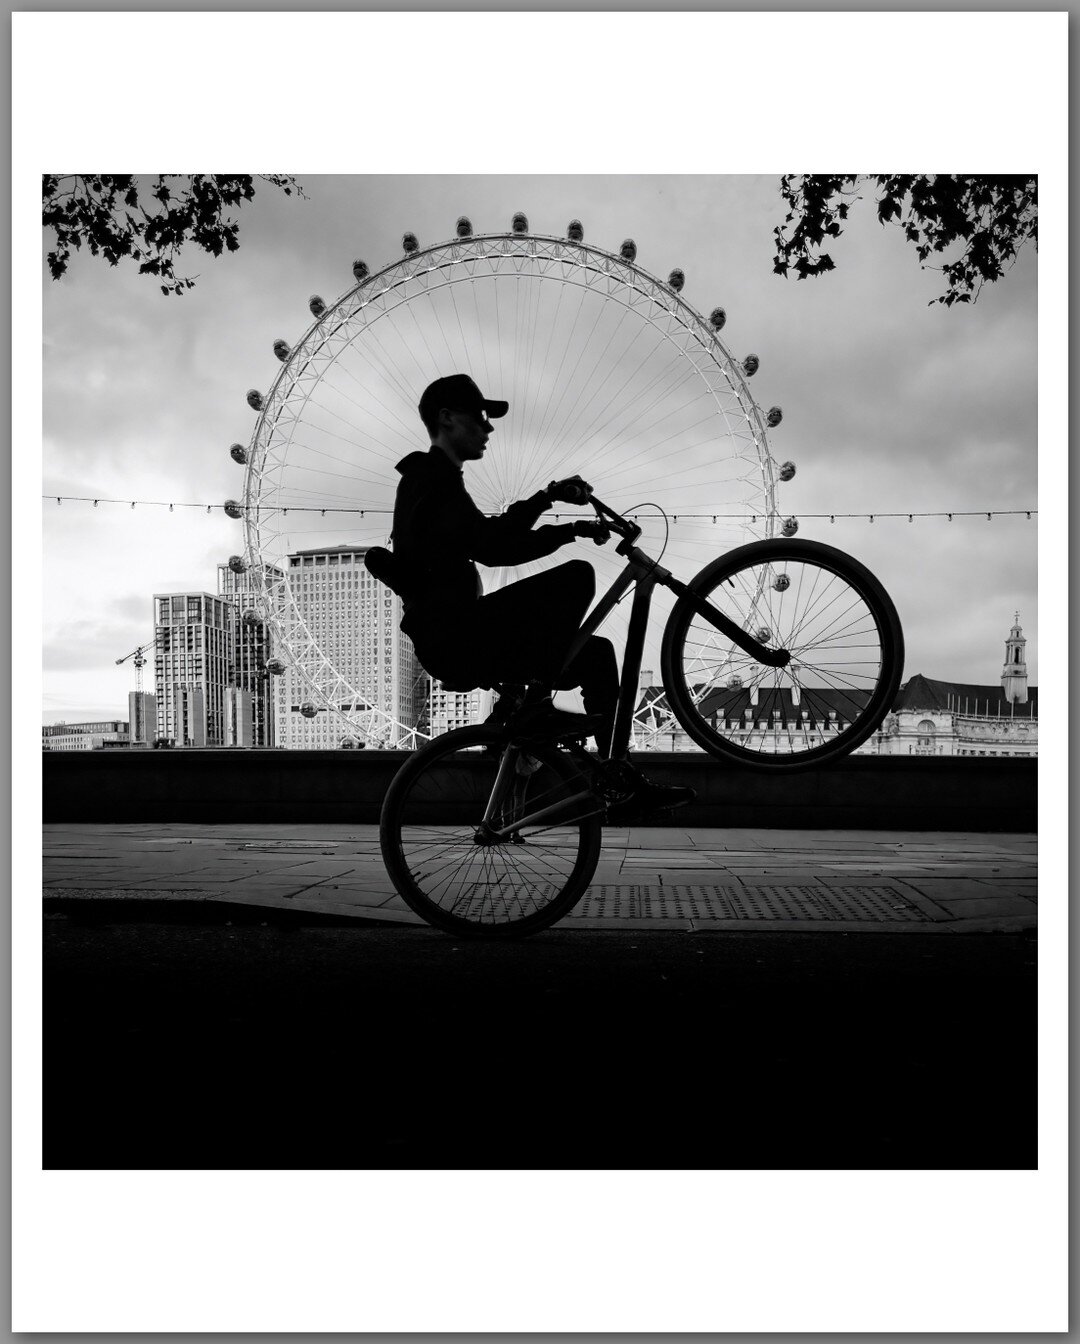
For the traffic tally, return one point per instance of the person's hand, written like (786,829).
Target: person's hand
(573,490)
(599,531)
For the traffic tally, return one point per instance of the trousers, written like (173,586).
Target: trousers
(522,633)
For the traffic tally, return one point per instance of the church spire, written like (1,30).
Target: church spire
(1014,672)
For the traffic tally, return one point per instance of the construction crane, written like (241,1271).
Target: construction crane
(140,661)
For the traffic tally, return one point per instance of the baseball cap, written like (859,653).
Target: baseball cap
(457,393)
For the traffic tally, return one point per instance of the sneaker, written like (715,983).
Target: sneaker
(507,705)
(632,796)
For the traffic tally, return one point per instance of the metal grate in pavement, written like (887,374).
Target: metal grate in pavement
(875,904)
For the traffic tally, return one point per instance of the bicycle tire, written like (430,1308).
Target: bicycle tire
(429,821)
(840,626)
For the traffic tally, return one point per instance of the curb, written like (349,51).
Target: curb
(87,905)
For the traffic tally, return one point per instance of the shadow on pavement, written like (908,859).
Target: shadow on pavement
(255,1045)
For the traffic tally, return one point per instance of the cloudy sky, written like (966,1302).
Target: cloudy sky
(890,404)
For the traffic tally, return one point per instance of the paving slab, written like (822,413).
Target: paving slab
(696,879)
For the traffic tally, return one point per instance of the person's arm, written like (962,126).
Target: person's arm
(508,539)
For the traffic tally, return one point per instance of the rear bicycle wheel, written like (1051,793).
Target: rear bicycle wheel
(835,620)
(515,874)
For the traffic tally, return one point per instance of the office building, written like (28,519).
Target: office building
(250,641)
(455,709)
(344,617)
(142,715)
(192,668)
(93,736)
(240,718)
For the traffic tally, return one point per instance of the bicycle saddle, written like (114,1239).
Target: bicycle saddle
(381,565)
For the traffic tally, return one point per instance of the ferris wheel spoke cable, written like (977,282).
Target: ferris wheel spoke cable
(354,472)
(588,379)
(440,327)
(556,436)
(597,454)
(530,414)
(652,398)
(650,454)
(549,409)
(404,432)
(531,364)
(380,356)
(624,406)
(377,351)
(313,426)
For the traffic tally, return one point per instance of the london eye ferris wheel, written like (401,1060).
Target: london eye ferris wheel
(609,373)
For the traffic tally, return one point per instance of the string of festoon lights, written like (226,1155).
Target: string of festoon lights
(236,510)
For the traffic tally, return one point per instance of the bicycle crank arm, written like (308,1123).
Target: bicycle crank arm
(758,651)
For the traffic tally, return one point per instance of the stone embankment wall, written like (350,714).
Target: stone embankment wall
(238,785)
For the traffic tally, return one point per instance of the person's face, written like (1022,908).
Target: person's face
(467,433)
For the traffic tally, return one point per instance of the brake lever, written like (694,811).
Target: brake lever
(615,521)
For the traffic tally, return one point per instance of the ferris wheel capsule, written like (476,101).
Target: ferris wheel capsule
(520,223)
(676,280)
(255,399)
(275,667)
(717,317)
(628,250)
(281,349)
(787,471)
(360,270)
(317,306)
(238,453)
(233,509)
(750,365)
(574,231)
(781,583)
(308,710)
(790,527)
(763,635)
(251,617)
(464,226)
(774,416)
(409,242)
(237,564)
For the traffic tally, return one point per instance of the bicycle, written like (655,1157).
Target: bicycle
(781,655)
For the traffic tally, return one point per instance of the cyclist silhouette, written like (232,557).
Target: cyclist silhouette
(522,632)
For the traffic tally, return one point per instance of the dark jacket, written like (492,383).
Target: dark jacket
(440,535)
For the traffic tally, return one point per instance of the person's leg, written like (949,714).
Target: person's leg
(526,627)
(596,671)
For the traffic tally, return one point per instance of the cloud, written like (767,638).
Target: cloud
(888,403)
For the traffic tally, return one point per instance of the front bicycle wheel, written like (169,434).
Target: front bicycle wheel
(484,839)
(828,612)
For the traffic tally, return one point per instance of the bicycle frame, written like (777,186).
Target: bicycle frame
(643,573)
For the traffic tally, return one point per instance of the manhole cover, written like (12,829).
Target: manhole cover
(878,905)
